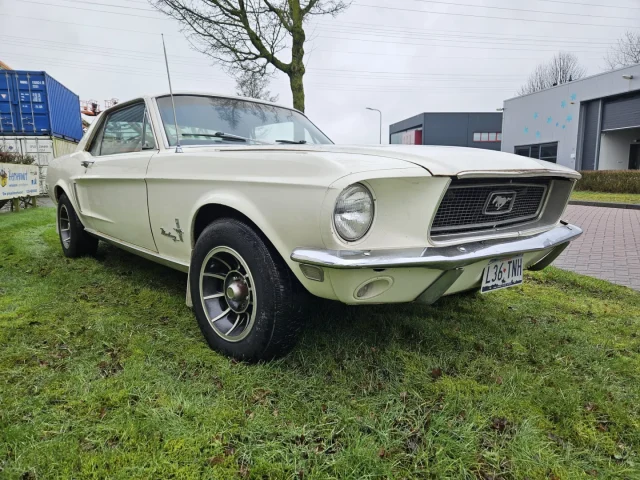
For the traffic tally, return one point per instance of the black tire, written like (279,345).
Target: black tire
(274,293)
(78,242)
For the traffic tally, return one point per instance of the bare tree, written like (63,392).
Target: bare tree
(625,53)
(562,68)
(252,35)
(254,85)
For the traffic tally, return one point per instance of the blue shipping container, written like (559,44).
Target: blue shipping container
(34,103)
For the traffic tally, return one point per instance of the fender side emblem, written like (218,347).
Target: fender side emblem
(178,230)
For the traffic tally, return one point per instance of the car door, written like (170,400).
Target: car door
(112,192)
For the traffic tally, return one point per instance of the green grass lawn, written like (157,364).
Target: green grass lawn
(633,198)
(104,374)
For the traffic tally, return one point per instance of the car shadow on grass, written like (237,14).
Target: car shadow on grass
(334,327)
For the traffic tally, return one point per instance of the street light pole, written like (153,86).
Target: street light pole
(376,110)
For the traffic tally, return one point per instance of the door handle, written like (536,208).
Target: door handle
(87,163)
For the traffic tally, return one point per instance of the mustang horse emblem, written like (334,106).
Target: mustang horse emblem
(500,201)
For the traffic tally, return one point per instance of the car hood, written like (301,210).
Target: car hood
(440,161)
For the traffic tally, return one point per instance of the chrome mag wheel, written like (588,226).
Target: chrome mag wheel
(228,295)
(65,226)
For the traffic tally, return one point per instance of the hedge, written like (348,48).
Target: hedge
(16,158)
(610,181)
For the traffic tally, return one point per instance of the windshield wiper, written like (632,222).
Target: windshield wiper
(222,135)
(292,142)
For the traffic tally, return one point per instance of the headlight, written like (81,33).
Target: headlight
(353,214)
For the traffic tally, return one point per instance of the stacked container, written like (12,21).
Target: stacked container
(38,116)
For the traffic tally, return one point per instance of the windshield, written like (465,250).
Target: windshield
(213,120)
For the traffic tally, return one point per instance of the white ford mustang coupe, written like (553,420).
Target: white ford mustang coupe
(258,205)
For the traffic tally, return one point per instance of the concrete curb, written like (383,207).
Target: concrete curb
(586,203)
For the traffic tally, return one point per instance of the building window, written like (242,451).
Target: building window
(487,137)
(544,151)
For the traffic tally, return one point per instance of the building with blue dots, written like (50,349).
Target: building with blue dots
(588,124)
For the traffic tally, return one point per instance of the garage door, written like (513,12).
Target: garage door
(623,112)
(590,112)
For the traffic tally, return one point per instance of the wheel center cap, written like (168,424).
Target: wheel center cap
(236,292)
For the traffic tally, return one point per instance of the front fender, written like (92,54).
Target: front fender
(286,229)
(246,207)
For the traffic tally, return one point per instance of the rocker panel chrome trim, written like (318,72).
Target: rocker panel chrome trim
(143,252)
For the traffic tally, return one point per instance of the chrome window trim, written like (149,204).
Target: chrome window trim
(103,118)
(511,222)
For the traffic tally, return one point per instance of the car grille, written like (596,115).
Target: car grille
(470,206)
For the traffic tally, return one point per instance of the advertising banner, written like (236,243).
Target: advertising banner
(18,181)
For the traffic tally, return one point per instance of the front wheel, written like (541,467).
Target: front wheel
(247,302)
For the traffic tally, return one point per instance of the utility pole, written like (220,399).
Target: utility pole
(376,110)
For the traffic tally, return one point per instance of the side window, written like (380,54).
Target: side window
(124,131)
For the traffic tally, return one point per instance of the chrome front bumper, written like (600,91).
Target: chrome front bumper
(451,260)
(441,258)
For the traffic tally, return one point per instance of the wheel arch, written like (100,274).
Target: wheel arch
(57,191)
(227,204)
(211,212)
(214,209)
(62,187)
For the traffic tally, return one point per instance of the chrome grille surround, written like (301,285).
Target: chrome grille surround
(465,208)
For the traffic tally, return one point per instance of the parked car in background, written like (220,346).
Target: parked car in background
(259,206)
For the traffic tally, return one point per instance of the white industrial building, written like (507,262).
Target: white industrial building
(587,124)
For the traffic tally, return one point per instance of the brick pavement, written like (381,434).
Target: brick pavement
(608,249)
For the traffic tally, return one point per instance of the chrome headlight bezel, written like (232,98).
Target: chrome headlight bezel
(370,209)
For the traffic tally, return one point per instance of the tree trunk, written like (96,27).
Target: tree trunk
(296,71)
(297,89)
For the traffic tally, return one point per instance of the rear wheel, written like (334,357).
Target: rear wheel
(247,302)
(74,239)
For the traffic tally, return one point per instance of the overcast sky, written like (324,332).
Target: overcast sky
(403,57)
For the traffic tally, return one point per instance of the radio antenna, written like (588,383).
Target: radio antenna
(173,103)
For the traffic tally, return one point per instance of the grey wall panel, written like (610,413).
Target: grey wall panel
(453,129)
(413,122)
(445,129)
(484,122)
(622,112)
(590,135)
